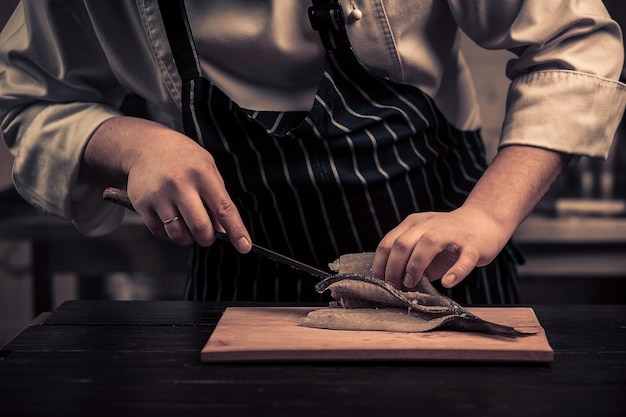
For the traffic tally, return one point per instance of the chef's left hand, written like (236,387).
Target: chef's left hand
(450,245)
(438,245)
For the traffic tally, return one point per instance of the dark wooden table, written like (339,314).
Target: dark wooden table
(143,358)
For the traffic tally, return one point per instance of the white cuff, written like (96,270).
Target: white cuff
(565,111)
(48,160)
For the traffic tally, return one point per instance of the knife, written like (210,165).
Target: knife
(120,197)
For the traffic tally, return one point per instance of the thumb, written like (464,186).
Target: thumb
(460,269)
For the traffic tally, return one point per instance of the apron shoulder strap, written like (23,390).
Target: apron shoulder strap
(195,88)
(180,38)
(326,17)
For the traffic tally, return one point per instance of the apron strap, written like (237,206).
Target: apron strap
(326,17)
(195,88)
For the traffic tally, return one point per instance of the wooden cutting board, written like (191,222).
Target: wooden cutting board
(275,334)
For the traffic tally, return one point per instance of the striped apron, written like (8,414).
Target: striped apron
(334,180)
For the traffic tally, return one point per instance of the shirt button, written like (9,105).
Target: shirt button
(356,14)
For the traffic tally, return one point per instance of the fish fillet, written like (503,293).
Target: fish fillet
(362,302)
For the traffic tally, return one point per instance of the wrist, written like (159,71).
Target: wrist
(495,225)
(512,185)
(115,147)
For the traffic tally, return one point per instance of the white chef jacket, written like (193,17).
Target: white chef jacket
(66,66)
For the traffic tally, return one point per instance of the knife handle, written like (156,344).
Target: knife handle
(118,196)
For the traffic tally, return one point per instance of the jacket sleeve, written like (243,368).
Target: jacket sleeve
(56,88)
(568,57)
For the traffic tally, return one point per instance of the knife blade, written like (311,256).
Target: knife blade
(120,197)
(280,258)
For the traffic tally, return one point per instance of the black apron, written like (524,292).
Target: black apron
(334,180)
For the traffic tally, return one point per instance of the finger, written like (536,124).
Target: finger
(165,221)
(442,262)
(426,248)
(156,223)
(462,267)
(224,212)
(395,270)
(381,256)
(424,252)
(155,216)
(379,263)
(177,231)
(197,219)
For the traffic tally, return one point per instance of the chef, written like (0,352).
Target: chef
(313,129)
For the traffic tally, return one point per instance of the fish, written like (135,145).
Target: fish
(362,302)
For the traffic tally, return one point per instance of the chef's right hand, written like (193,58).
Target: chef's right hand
(169,176)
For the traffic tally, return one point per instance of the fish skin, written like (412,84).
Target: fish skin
(387,295)
(354,288)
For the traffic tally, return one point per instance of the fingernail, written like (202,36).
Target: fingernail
(449,281)
(243,245)
(408,281)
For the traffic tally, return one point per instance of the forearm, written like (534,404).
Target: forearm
(513,184)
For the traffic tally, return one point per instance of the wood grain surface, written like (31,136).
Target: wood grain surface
(247,334)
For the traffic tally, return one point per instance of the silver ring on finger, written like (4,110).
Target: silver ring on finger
(172,220)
